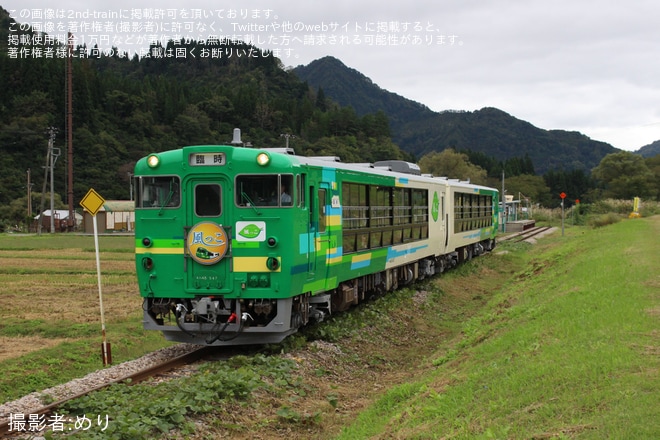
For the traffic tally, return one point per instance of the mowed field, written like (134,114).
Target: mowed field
(50,320)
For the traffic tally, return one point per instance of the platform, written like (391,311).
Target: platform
(520,225)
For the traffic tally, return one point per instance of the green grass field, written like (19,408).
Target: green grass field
(568,347)
(554,340)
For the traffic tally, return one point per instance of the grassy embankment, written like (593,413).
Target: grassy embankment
(567,348)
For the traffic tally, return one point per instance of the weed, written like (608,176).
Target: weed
(604,220)
(333,399)
(289,415)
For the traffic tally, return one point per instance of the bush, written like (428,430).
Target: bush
(546,215)
(597,214)
(648,208)
(599,221)
(612,206)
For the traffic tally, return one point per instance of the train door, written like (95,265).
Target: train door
(207,235)
(439,214)
(320,234)
(312,225)
(445,210)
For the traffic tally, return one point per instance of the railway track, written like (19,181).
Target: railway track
(131,379)
(525,235)
(532,233)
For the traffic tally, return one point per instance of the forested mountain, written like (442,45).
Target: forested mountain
(418,130)
(348,87)
(124,109)
(650,150)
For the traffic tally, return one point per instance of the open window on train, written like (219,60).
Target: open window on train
(157,192)
(208,201)
(264,190)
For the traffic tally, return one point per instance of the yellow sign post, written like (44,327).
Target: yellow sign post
(635,213)
(92,202)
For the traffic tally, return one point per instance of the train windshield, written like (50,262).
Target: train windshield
(158,192)
(264,190)
(208,200)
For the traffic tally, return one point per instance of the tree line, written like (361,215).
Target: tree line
(124,109)
(622,175)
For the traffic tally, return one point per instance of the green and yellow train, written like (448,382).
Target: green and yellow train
(242,245)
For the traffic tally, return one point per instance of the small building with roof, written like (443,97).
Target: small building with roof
(114,216)
(60,220)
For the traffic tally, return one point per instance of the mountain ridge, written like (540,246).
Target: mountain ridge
(420,130)
(650,150)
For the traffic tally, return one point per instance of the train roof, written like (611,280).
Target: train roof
(393,168)
(404,171)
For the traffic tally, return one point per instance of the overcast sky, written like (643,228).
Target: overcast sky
(587,66)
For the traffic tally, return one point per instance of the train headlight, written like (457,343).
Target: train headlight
(153,161)
(148,264)
(272,263)
(263,159)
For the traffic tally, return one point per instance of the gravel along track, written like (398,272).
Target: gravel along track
(28,404)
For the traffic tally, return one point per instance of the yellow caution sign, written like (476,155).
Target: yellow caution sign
(92,202)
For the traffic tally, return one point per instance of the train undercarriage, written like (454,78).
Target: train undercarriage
(220,321)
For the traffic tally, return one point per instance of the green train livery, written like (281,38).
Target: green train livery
(240,245)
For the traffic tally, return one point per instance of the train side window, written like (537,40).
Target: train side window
(286,190)
(208,200)
(311,206)
(300,190)
(355,213)
(158,192)
(349,243)
(321,201)
(264,190)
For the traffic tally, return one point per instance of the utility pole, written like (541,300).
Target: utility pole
(503,204)
(52,184)
(51,158)
(69,131)
(130,185)
(562,217)
(562,196)
(43,190)
(29,200)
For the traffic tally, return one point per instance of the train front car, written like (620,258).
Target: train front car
(213,230)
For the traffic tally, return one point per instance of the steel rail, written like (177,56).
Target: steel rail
(531,233)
